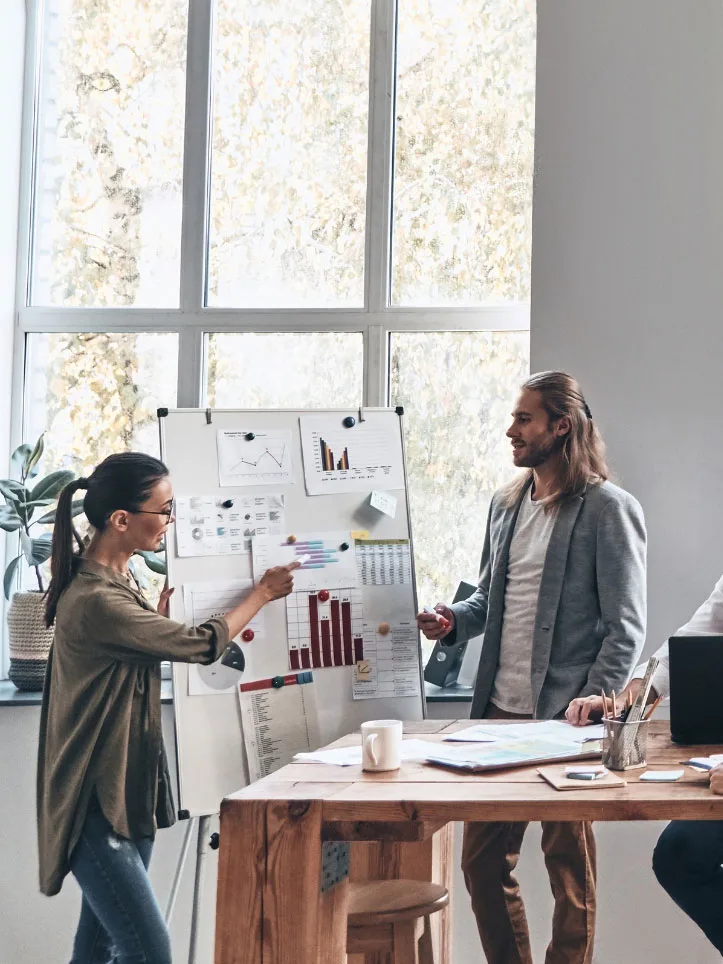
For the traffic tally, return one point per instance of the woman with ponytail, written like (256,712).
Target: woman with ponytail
(103,782)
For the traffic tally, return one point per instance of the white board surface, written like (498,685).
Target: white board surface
(211,757)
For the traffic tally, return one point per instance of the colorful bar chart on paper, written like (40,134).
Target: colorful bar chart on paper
(328,559)
(326,629)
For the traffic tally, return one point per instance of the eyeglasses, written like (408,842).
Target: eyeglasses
(169,513)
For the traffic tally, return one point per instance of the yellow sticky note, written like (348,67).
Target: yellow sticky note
(360,534)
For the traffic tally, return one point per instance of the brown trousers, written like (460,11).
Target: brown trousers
(489,857)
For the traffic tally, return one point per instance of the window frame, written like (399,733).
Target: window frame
(192,320)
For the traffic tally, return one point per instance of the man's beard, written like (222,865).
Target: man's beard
(536,453)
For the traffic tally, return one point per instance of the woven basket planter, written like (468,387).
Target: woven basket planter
(29,639)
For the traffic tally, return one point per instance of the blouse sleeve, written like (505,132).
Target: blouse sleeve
(121,627)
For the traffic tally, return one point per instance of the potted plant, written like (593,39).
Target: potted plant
(30,502)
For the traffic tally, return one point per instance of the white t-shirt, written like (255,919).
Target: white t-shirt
(512,689)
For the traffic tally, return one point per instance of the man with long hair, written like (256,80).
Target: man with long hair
(561,603)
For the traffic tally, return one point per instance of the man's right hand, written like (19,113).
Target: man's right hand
(586,709)
(438,624)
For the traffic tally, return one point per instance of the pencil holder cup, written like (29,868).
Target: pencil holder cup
(625,745)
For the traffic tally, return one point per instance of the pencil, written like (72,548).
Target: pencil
(652,708)
(604,699)
(615,709)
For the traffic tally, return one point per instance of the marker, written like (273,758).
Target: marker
(443,621)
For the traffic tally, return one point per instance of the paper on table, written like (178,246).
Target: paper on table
(348,756)
(544,729)
(705,762)
(277,723)
(662,776)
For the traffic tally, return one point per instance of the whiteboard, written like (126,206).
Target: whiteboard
(209,739)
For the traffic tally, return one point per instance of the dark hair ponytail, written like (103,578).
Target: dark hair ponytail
(122,481)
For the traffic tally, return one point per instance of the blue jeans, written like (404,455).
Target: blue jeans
(687,862)
(120,920)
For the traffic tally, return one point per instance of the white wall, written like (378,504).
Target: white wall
(627,290)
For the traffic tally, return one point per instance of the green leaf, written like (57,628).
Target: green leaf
(10,521)
(20,456)
(35,455)
(52,485)
(49,517)
(155,562)
(10,575)
(14,491)
(41,549)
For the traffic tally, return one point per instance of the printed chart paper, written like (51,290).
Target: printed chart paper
(255,457)
(390,665)
(207,527)
(384,563)
(203,601)
(324,632)
(338,459)
(326,564)
(278,723)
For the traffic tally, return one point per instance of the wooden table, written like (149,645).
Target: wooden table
(270,909)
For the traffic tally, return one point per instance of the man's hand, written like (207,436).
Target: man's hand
(586,709)
(164,600)
(716,779)
(437,624)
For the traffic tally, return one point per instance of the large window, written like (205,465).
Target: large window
(289,203)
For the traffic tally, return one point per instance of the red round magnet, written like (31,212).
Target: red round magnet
(247,635)
(324,595)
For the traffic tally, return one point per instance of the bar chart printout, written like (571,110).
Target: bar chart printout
(328,559)
(325,632)
(367,455)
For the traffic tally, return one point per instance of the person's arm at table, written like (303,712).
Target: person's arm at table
(706,621)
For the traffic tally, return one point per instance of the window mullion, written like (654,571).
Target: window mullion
(376,339)
(196,153)
(380,163)
(190,367)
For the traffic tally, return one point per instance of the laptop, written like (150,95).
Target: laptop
(696,689)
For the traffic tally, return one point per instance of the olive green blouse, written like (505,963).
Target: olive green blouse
(100,725)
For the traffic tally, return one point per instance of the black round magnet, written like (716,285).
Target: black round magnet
(349,421)
(344,546)
(277,682)
(228,504)
(249,436)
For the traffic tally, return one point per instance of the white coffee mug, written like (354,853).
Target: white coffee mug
(381,745)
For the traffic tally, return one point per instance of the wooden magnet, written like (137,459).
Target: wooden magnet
(291,539)
(384,629)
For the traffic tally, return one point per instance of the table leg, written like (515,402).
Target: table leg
(241,877)
(270,908)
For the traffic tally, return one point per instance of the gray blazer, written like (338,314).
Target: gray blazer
(591,612)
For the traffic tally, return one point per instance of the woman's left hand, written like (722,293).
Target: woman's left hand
(164,600)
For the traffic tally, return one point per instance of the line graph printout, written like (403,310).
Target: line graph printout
(328,559)
(325,629)
(337,459)
(251,457)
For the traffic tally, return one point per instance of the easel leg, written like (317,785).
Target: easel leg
(183,856)
(202,848)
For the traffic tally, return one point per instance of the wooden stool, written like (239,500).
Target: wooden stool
(393,916)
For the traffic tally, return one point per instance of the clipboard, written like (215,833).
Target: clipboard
(556,777)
